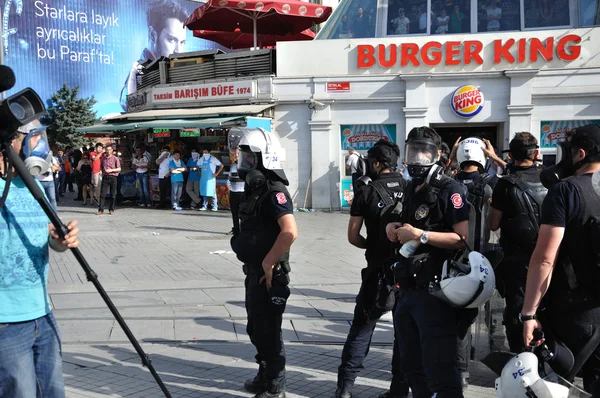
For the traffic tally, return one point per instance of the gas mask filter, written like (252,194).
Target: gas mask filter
(36,152)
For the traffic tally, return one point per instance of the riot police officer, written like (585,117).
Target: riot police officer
(434,222)
(564,267)
(267,230)
(515,209)
(372,202)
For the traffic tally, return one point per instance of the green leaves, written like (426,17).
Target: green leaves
(66,113)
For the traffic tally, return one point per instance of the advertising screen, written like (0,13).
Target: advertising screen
(92,43)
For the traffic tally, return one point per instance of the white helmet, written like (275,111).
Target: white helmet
(257,144)
(520,379)
(466,285)
(471,150)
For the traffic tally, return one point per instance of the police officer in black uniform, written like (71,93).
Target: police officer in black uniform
(386,188)
(515,209)
(268,229)
(435,217)
(565,265)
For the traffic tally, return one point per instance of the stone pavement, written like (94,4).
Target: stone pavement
(174,279)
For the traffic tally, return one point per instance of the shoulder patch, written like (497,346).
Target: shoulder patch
(281,199)
(457,201)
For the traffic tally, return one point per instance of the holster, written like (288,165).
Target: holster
(280,267)
(412,272)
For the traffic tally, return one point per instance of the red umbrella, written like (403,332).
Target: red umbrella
(237,39)
(277,17)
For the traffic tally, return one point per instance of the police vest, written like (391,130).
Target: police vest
(579,252)
(257,235)
(426,211)
(478,192)
(526,193)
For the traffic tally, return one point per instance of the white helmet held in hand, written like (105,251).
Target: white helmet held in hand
(465,285)
(520,379)
(471,150)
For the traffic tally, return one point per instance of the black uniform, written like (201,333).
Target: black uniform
(426,327)
(259,211)
(368,204)
(519,226)
(573,299)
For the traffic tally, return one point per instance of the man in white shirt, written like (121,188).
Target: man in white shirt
(352,164)
(142,164)
(164,179)
(208,181)
(47,181)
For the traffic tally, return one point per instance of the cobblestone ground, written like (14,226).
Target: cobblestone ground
(176,282)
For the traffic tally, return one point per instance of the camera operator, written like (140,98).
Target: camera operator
(30,347)
(566,260)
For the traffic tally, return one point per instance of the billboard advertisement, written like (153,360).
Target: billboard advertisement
(364,136)
(553,132)
(92,43)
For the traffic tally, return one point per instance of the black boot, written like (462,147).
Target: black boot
(258,384)
(389,394)
(343,393)
(266,394)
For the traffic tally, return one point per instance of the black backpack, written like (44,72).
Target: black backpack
(478,193)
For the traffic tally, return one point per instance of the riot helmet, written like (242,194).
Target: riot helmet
(36,148)
(470,150)
(261,151)
(421,154)
(465,285)
(586,138)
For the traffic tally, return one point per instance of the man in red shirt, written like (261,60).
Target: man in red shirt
(96,158)
(111,167)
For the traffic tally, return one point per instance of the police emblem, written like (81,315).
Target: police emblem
(421,212)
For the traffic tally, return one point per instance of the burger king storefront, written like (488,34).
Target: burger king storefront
(349,92)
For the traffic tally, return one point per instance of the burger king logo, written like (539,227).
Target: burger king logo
(546,129)
(347,132)
(467,101)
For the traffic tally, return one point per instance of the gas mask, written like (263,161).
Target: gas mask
(421,156)
(255,179)
(371,171)
(36,152)
(564,166)
(247,161)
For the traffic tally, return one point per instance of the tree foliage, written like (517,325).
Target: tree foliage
(66,113)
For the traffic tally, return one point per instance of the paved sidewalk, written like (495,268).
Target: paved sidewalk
(174,279)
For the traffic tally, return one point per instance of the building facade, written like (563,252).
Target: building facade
(532,66)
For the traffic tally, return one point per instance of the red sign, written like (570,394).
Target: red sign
(434,53)
(198,92)
(338,87)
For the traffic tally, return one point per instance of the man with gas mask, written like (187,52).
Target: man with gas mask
(516,208)
(30,353)
(267,231)
(386,188)
(433,225)
(564,267)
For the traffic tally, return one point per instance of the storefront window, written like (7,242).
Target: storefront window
(352,19)
(543,13)
(406,17)
(590,12)
(496,15)
(451,16)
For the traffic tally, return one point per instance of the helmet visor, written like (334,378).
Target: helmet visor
(247,160)
(421,153)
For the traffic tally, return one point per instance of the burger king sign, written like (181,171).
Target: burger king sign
(467,101)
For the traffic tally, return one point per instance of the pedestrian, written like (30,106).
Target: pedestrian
(77,155)
(111,167)
(30,346)
(48,182)
(368,206)
(192,187)
(177,168)
(267,231)
(208,182)
(142,163)
(164,178)
(352,165)
(564,271)
(96,158)
(236,190)
(85,178)
(434,220)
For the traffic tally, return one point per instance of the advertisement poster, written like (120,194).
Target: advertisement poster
(347,193)
(92,43)
(364,136)
(551,133)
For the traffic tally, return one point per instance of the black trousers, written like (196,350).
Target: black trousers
(235,198)
(164,185)
(108,183)
(264,330)
(426,331)
(357,348)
